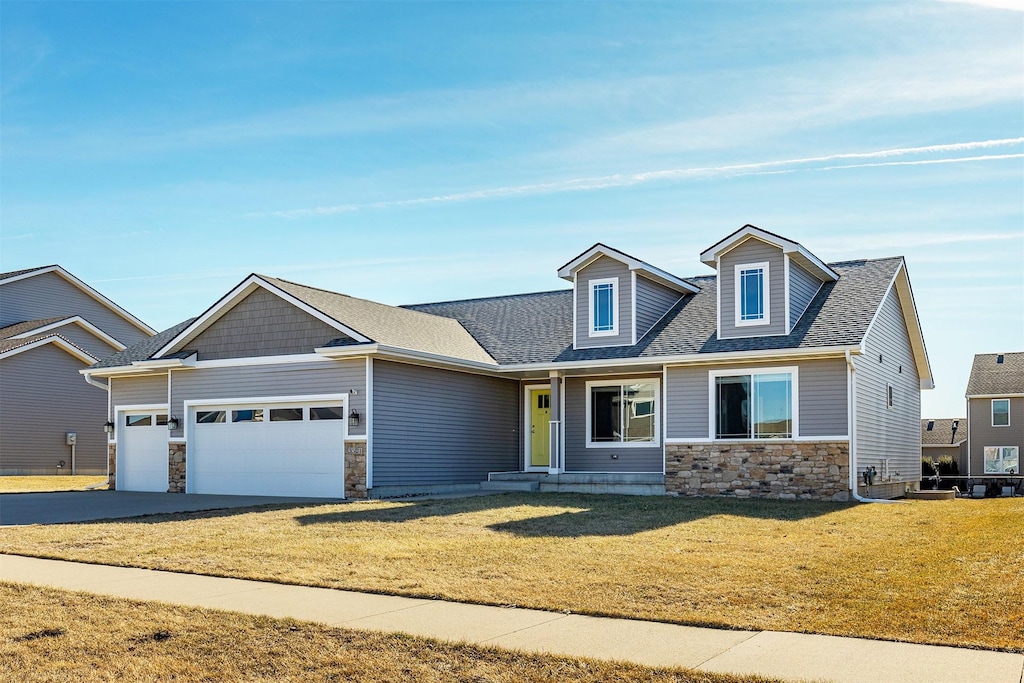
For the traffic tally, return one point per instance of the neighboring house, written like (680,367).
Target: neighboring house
(942,437)
(995,413)
(777,376)
(52,325)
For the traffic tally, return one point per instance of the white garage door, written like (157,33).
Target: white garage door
(142,452)
(274,449)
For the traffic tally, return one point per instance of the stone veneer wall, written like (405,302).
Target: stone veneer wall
(112,466)
(176,467)
(355,469)
(790,470)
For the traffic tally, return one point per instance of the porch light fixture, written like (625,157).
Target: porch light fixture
(353,418)
(108,427)
(173,423)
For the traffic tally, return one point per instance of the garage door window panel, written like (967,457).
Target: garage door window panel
(247,415)
(286,414)
(138,420)
(327,413)
(210,417)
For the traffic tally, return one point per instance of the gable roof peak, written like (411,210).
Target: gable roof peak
(794,250)
(569,270)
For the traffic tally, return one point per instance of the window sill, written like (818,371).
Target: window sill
(624,444)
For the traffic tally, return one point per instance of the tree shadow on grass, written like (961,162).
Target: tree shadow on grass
(589,514)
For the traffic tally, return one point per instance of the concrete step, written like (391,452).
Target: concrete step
(509,486)
(620,489)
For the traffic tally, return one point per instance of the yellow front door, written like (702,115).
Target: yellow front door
(540,428)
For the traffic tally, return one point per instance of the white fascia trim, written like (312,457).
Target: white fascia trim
(591,285)
(59,342)
(996,396)
(166,363)
(794,372)
(766,295)
(632,305)
(785,287)
(78,320)
(575,303)
(656,443)
(246,287)
(712,255)
(423,357)
(260,400)
(912,321)
(262,360)
(569,270)
(88,290)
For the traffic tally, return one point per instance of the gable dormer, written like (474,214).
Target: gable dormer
(765,282)
(617,299)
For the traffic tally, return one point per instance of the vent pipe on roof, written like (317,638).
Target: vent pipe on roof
(931,425)
(999,359)
(955,425)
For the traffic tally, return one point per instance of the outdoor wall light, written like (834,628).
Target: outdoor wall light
(353,418)
(108,427)
(173,423)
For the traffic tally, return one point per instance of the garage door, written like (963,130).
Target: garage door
(274,449)
(142,452)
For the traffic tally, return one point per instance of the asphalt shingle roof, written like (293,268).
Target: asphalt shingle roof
(941,433)
(144,349)
(29,325)
(988,376)
(15,273)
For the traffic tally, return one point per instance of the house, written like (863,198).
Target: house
(51,326)
(995,414)
(945,437)
(776,375)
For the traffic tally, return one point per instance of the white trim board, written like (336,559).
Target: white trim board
(60,342)
(77,320)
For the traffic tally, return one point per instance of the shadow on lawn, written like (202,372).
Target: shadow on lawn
(589,515)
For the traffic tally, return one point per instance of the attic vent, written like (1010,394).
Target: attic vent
(999,359)
(931,425)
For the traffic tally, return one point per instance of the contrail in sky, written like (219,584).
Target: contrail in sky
(733,170)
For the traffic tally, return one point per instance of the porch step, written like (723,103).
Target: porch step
(621,489)
(509,486)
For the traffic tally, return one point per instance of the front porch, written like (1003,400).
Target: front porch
(624,483)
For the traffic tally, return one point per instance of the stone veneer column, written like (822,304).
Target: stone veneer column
(789,470)
(176,467)
(112,465)
(355,469)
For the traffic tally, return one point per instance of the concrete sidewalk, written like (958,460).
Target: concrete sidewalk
(788,656)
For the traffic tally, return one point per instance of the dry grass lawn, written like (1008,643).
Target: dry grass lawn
(44,483)
(49,635)
(944,572)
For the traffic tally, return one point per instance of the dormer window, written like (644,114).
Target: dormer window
(751,294)
(604,307)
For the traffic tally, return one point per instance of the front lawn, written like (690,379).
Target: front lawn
(50,482)
(50,635)
(947,572)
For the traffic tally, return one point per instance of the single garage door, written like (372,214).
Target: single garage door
(274,449)
(142,452)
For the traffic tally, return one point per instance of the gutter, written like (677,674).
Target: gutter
(852,412)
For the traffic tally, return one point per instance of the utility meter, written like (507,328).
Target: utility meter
(70,438)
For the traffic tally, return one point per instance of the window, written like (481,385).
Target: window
(622,414)
(754,406)
(604,307)
(210,416)
(327,413)
(138,420)
(285,414)
(1001,412)
(751,294)
(247,415)
(1002,459)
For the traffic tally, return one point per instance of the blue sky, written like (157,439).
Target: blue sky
(432,151)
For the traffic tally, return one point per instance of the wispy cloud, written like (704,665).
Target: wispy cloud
(678,174)
(1017,5)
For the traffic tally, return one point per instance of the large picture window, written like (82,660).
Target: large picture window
(752,294)
(1002,459)
(604,307)
(755,405)
(1001,412)
(623,413)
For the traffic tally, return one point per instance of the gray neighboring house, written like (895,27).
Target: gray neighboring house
(942,437)
(776,376)
(52,325)
(995,414)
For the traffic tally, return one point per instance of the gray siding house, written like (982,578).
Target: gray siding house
(945,438)
(52,325)
(776,375)
(995,414)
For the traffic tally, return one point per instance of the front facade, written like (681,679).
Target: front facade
(52,325)
(995,413)
(777,376)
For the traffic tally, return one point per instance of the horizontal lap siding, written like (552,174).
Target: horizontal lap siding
(600,269)
(267,381)
(802,288)
(42,396)
(49,296)
(653,301)
(434,426)
(749,252)
(882,432)
(147,390)
(261,324)
(821,389)
(579,458)
(984,434)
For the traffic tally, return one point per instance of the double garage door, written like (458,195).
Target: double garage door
(271,449)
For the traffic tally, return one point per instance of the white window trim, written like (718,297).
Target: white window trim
(655,442)
(794,373)
(1002,468)
(992,412)
(765,294)
(591,285)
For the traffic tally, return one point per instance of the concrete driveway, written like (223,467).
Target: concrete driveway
(80,506)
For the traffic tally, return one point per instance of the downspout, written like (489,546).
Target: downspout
(106,388)
(852,420)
